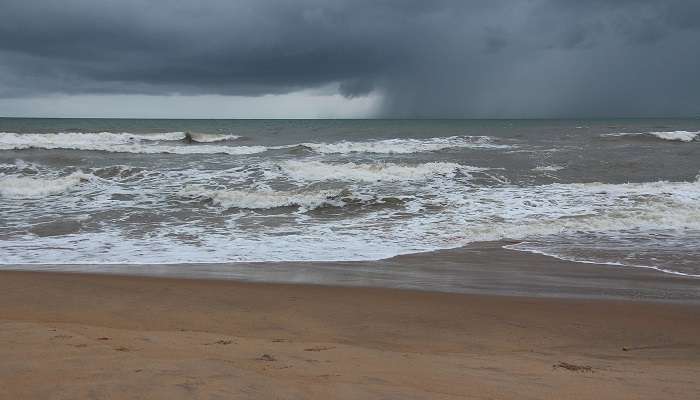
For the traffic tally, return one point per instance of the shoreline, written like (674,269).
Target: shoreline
(109,336)
(480,268)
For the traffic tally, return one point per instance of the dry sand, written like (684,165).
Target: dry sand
(73,336)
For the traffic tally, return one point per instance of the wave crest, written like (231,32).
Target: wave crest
(252,200)
(23,187)
(211,137)
(203,143)
(121,143)
(405,146)
(675,136)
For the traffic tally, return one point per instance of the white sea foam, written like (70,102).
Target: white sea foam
(549,168)
(211,137)
(678,136)
(128,136)
(519,213)
(169,136)
(19,165)
(437,210)
(152,143)
(246,199)
(406,146)
(558,254)
(320,171)
(475,215)
(119,143)
(21,187)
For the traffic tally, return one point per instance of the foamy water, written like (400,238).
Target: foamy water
(122,143)
(141,197)
(381,171)
(155,143)
(678,136)
(243,199)
(405,146)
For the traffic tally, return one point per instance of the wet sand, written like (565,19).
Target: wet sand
(480,268)
(82,336)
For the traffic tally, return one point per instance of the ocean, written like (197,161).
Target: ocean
(619,192)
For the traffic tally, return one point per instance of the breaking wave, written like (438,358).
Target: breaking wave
(122,143)
(406,146)
(676,136)
(23,187)
(211,137)
(153,143)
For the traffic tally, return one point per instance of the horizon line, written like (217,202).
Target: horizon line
(365,118)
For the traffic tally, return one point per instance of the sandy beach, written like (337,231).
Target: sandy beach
(349,200)
(81,336)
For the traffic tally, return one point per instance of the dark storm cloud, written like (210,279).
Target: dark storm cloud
(427,58)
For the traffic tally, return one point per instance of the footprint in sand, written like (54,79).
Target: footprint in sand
(266,357)
(573,367)
(319,348)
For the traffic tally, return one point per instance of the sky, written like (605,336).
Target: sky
(350,58)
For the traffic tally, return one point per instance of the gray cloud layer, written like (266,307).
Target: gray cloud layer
(455,58)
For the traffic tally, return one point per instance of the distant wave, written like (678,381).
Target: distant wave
(211,137)
(153,143)
(676,136)
(548,168)
(406,146)
(122,143)
(127,137)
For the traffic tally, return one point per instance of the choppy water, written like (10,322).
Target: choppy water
(620,192)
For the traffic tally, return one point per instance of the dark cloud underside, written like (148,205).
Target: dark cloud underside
(487,58)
